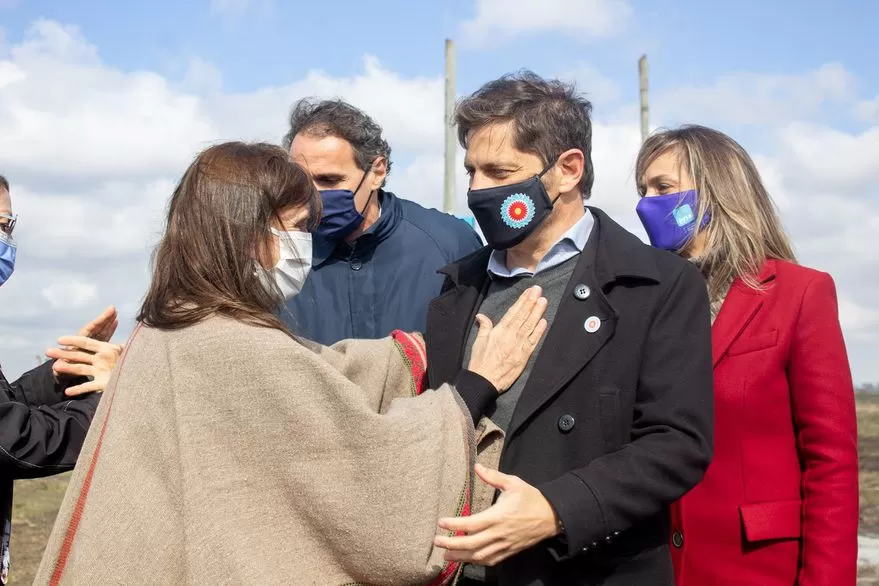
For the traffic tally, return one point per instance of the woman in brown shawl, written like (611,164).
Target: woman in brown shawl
(226,451)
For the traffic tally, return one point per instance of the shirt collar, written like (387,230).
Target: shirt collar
(569,245)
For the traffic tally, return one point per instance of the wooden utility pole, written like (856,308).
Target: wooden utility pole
(645,108)
(451,145)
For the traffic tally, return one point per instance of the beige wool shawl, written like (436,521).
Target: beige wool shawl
(225,453)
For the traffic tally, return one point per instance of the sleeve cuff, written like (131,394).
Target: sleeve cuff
(477,392)
(580,512)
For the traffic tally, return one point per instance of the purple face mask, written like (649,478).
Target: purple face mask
(670,220)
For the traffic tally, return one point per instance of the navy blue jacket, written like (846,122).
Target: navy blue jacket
(385,280)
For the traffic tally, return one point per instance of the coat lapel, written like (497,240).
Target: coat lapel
(451,315)
(740,306)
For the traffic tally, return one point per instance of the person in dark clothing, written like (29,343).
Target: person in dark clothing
(611,420)
(375,255)
(45,414)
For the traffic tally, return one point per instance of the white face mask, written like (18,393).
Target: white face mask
(293,265)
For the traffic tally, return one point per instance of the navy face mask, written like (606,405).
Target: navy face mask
(670,220)
(508,214)
(340,214)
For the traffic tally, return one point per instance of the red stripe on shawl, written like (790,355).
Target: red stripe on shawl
(451,568)
(63,556)
(416,354)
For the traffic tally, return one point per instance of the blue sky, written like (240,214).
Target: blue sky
(104,103)
(271,42)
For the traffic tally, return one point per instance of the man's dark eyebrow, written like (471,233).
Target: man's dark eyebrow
(329,177)
(501,166)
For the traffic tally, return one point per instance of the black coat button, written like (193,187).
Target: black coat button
(356,265)
(677,539)
(582,292)
(566,423)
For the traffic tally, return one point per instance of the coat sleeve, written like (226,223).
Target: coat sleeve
(38,387)
(824,415)
(45,440)
(671,437)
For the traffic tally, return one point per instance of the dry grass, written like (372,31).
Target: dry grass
(33,514)
(37,502)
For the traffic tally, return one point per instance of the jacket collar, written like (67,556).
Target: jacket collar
(619,255)
(740,306)
(392,213)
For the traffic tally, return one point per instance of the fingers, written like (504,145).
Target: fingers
(71,369)
(89,387)
(471,524)
(537,333)
(102,327)
(494,478)
(521,308)
(82,343)
(533,317)
(469,543)
(490,555)
(107,331)
(70,355)
(485,326)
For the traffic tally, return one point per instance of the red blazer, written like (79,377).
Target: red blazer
(779,502)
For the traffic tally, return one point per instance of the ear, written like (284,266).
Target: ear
(569,170)
(379,173)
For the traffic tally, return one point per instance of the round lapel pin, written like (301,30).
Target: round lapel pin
(592,324)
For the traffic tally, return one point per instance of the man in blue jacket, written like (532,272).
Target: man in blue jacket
(375,256)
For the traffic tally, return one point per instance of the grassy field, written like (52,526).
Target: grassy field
(33,514)
(37,501)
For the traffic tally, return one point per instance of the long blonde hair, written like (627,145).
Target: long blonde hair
(744,229)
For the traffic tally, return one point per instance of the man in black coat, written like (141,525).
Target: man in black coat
(45,414)
(612,419)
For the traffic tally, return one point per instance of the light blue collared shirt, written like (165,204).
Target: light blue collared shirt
(567,247)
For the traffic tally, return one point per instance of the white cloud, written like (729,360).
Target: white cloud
(829,158)
(497,21)
(409,109)
(69,292)
(868,110)
(858,319)
(65,114)
(598,88)
(754,98)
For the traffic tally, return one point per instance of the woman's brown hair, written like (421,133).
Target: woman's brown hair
(219,221)
(745,228)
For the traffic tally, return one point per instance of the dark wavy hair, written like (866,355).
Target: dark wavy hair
(219,221)
(321,118)
(549,117)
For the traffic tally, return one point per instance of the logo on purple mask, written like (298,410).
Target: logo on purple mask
(670,220)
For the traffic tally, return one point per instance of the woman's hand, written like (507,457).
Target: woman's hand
(501,352)
(81,356)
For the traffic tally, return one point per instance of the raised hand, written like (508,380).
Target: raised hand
(501,352)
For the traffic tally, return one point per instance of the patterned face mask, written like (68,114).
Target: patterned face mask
(508,214)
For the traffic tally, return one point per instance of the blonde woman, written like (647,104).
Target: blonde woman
(779,503)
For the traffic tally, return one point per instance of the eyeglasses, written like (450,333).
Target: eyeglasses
(7,223)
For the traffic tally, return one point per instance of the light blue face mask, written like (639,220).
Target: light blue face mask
(7,256)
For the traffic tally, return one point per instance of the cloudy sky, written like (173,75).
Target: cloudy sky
(104,103)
